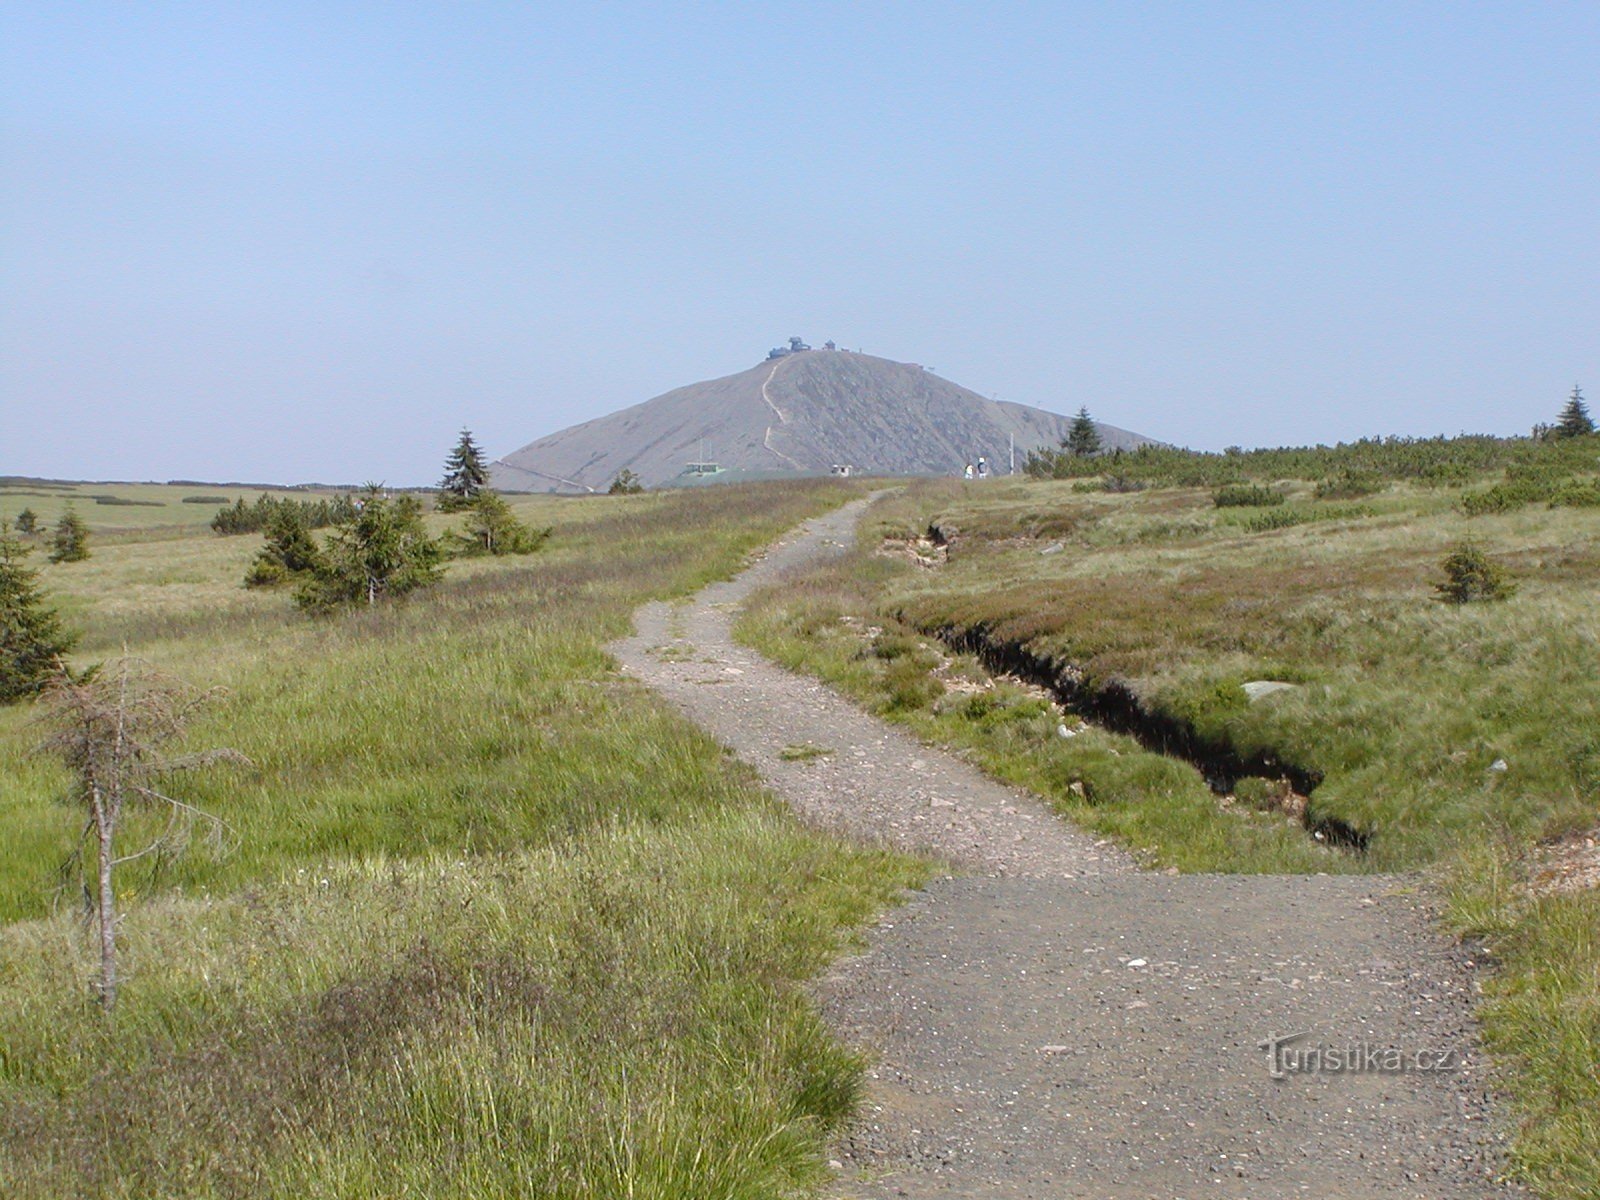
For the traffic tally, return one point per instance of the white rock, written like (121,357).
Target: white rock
(1499,764)
(1138,962)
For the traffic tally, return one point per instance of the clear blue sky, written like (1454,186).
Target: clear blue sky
(283,241)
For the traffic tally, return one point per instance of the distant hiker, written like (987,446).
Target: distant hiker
(967,474)
(983,468)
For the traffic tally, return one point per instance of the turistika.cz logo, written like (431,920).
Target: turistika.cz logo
(1286,1057)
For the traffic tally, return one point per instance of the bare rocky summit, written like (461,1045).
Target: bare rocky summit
(801,412)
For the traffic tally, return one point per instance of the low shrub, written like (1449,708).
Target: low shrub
(1119,484)
(1349,485)
(1278,518)
(992,709)
(1247,495)
(1576,494)
(907,685)
(890,646)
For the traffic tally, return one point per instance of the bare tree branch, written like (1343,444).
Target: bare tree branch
(110,727)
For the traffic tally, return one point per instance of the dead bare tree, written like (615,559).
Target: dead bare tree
(110,728)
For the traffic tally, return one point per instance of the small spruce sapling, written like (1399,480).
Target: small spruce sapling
(491,528)
(290,553)
(1471,576)
(32,640)
(625,484)
(70,541)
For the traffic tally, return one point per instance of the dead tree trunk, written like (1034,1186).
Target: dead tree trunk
(109,729)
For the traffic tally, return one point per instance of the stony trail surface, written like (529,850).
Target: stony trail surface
(1048,1021)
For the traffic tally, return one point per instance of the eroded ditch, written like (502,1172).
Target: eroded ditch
(1116,707)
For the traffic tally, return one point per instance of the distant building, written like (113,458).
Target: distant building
(796,346)
(843,470)
(702,468)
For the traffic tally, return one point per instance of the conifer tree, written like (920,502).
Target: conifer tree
(32,640)
(1083,438)
(27,522)
(465,475)
(1575,420)
(70,541)
(491,528)
(1471,577)
(383,550)
(626,484)
(290,553)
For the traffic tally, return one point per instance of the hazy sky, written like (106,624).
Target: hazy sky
(282,241)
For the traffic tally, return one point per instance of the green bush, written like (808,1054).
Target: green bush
(1119,484)
(1575,494)
(1278,518)
(992,709)
(1205,705)
(890,646)
(1529,483)
(1349,485)
(124,502)
(1247,495)
(907,685)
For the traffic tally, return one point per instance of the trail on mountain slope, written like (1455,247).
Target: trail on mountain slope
(783,419)
(1048,1021)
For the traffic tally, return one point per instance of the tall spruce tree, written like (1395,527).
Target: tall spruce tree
(70,541)
(383,550)
(27,522)
(32,640)
(1083,438)
(465,475)
(1575,420)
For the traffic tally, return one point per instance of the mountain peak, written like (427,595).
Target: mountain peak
(802,411)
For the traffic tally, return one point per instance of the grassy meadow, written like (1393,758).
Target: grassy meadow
(1461,740)
(488,920)
(144,512)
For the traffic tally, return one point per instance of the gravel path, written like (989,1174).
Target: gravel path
(1047,1021)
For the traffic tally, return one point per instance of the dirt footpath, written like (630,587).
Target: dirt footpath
(1047,1021)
